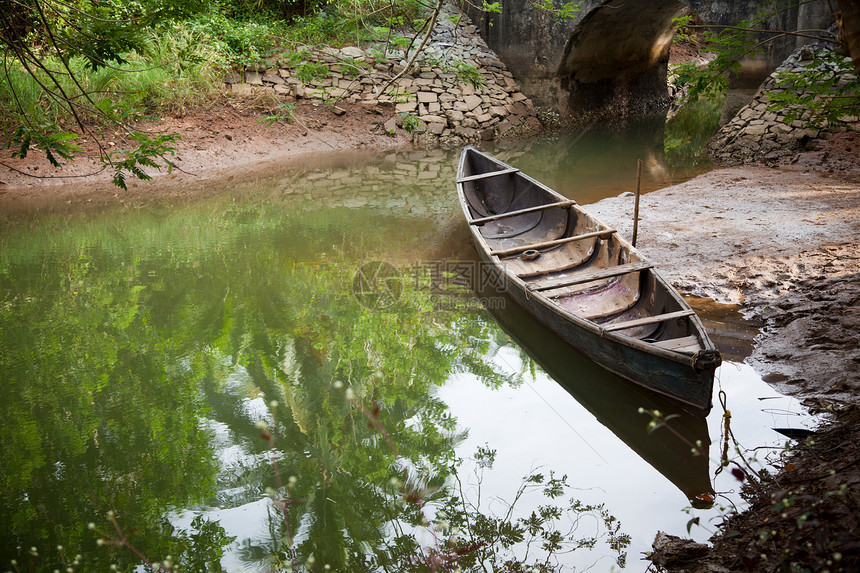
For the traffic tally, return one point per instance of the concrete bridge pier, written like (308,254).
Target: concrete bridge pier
(616,60)
(610,60)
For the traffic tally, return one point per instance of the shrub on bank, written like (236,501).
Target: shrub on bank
(87,67)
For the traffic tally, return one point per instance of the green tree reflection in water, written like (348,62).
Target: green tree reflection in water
(123,347)
(100,410)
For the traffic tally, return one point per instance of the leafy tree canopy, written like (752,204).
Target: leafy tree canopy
(45,46)
(818,93)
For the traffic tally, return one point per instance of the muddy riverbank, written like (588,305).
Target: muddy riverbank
(782,243)
(230,139)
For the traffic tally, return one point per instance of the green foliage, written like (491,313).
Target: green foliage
(61,66)
(176,69)
(48,137)
(816,95)
(107,455)
(101,65)
(180,67)
(307,72)
(322,28)
(562,13)
(369,13)
(409,122)
(391,39)
(467,74)
(687,133)
(102,33)
(149,151)
(271,9)
(241,42)
(352,69)
(821,93)
(199,549)
(488,9)
(142,333)
(683,32)
(355,22)
(473,539)
(491,7)
(283,112)
(730,46)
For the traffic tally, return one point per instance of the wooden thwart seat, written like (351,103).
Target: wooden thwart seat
(683,344)
(486,175)
(546,244)
(563,204)
(588,276)
(647,320)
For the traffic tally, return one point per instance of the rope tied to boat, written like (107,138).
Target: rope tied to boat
(727,430)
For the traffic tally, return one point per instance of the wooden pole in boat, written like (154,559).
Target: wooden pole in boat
(636,205)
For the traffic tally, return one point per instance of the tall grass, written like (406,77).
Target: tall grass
(187,70)
(20,91)
(177,69)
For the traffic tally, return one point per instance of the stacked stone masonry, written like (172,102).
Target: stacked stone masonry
(434,99)
(757,134)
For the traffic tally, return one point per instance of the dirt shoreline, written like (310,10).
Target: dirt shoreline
(781,242)
(229,139)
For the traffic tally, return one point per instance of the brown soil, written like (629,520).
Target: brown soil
(806,517)
(781,242)
(227,139)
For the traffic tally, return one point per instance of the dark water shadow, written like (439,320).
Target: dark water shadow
(615,402)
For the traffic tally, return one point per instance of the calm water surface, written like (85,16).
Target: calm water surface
(239,382)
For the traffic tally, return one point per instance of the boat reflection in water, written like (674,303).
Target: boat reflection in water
(615,402)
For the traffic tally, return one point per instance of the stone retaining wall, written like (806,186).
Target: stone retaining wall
(756,134)
(438,98)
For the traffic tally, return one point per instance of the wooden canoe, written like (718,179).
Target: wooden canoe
(585,283)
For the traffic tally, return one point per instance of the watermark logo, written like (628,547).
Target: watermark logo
(461,277)
(450,285)
(377,285)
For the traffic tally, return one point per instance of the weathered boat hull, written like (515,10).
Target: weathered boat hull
(676,380)
(637,326)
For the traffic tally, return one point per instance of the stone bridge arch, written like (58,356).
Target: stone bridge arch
(612,58)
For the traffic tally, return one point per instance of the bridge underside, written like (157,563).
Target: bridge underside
(615,62)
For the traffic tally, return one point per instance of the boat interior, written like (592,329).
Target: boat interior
(562,252)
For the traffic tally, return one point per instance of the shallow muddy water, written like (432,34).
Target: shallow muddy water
(291,369)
